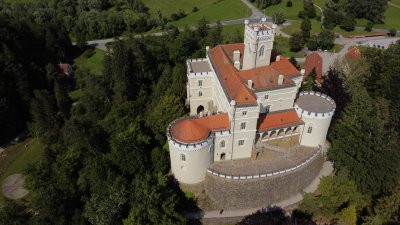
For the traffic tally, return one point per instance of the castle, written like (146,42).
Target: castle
(241,98)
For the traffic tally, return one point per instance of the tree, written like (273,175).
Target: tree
(293,61)
(289,4)
(312,43)
(202,27)
(392,32)
(369,26)
(296,42)
(14,214)
(362,145)
(373,10)
(305,29)
(326,39)
(278,17)
(348,23)
(309,81)
(309,9)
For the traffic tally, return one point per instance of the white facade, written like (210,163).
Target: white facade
(208,95)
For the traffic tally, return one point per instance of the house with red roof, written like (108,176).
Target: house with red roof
(242,99)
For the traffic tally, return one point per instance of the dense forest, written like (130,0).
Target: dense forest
(105,160)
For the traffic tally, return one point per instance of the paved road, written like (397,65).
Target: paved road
(326,170)
(394,5)
(256,14)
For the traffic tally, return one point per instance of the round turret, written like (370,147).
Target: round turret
(316,111)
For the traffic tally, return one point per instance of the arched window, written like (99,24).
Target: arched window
(200,93)
(222,156)
(222,144)
(261,51)
(183,157)
(309,129)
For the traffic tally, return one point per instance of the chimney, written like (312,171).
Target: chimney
(250,83)
(280,79)
(274,26)
(237,65)
(207,48)
(236,59)
(278,58)
(264,19)
(236,55)
(246,22)
(302,72)
(256,29)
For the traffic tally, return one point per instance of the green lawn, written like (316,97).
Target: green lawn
(94,63)
(392,19)
(216,10)
(295,27)
(397,2)
(17,158)
(232,30)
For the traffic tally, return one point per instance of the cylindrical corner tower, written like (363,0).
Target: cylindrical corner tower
(191,150)
(316,111)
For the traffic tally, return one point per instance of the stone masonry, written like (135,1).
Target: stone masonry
(241,194)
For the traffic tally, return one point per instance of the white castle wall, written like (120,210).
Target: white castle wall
(319,122)
(198,157)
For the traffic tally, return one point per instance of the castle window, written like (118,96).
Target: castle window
(267,108)
(266,96)
(309,129)
(200,82)
(244,113)
(243,126)
(241,142)
(183,157)
(222,144)
(200,93)
(261,52)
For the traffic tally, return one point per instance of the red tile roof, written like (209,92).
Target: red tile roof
(234,81)
(194,130)
(354,53)
(64,67)
(277,120)
(314,60)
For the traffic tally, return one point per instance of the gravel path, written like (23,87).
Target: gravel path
(13,187)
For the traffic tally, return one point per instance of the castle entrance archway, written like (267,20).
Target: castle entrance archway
(222,156)
(200,109)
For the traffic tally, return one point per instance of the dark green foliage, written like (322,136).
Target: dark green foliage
(312,43)
(369,26)
(14,213)
(373,10)
(278,17)
(296,42)
(334,85)
(392,32)
(289,4)
(348,23)
(309,81)
(309,9)
(195,9)
(293,61)
(265,3)
(276,216)
(326,39)
(305,29)
(362,145)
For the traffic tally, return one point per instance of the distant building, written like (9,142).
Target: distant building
(321,61)
(66,68)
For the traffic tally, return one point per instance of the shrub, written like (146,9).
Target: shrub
(392,32)
(369,26)
(195,9)
(289,4)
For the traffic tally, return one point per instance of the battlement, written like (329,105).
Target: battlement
(198,67)
(259,30)
(315,105)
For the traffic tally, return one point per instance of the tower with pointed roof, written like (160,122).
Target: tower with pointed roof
(258,44)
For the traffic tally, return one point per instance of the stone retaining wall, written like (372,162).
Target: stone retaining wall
(244,194)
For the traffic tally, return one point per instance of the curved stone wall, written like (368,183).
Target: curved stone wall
(253,193)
